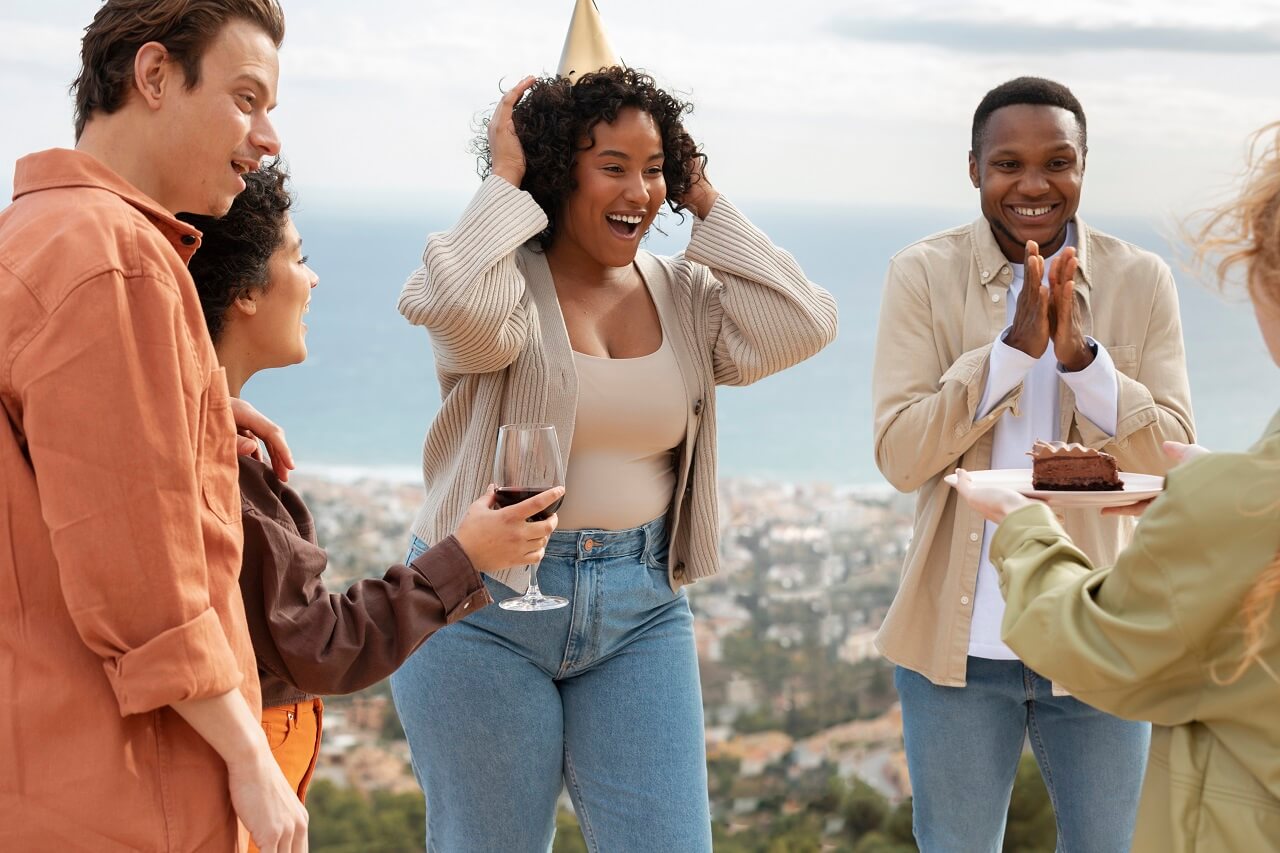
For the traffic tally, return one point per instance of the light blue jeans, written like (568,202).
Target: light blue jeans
(603,696)
(963,747)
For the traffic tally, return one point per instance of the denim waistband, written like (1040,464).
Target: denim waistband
(602,544)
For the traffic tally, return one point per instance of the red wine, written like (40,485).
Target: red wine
(508,495)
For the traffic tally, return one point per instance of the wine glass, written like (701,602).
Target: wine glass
(527,463)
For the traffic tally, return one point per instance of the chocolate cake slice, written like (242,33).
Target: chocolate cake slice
(1056,466)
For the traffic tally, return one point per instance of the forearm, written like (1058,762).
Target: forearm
(336,643)
(228,725)
(1008,368)
(764,313)
(469,290)
(1110,635)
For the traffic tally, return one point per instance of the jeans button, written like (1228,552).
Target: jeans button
(588,545)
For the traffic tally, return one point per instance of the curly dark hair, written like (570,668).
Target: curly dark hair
(556,115)
(1036,91)
(235,249)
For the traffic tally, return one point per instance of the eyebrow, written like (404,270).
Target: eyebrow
(622,155)
(1008,152)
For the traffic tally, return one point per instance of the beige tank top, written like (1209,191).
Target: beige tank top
(631,416)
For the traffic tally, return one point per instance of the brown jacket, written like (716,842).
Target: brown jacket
(309,640)
(119,523)
(943,307)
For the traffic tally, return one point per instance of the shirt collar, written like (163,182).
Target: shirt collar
(991,260)
(60,168)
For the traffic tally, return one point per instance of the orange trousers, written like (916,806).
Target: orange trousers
(293,732)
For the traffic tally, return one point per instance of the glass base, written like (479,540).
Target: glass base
(531,602)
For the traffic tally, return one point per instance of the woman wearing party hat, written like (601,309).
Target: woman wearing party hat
(542,308)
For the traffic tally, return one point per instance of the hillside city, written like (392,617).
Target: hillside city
(804,734)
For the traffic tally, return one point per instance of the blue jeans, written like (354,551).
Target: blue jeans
(963,747)
(603,696)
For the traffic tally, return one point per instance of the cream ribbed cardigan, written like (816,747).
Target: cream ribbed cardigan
(735,307)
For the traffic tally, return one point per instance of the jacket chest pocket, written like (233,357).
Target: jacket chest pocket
(216,454)
(1125,358)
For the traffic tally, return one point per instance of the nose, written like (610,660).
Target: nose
(636,191)
(315,279)
(263,136)
(1034,182)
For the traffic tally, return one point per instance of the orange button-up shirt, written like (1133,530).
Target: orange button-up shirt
(119,523)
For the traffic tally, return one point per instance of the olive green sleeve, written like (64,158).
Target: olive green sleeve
(1110,636)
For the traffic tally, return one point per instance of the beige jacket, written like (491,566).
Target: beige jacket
(1154,637)
(943,307)
(735,307)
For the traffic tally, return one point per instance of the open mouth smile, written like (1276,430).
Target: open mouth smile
(624,225)
(1038,211)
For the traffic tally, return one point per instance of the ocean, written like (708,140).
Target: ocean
(367,391)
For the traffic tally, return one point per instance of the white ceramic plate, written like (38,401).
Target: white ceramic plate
(1137,487)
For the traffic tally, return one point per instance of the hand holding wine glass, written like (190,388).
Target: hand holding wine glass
(496,538)
(528,463)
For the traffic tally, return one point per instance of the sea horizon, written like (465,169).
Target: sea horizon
(363,399)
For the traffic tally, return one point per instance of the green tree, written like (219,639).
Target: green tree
(568,834)
(344,821)
(1031,827)
(864,809)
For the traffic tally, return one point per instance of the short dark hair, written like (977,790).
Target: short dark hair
(185,27)
(556,114)
(235,249)
(1036,91)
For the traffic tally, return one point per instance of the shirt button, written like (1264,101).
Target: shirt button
(985,275)
(995,296)
(466,604)
(973,537)
(964,599)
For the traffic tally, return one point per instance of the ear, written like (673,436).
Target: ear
(153,71)
(973,171)
(246,305)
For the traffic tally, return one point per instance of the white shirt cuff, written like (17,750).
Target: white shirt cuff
(1006,369)
(1097,389)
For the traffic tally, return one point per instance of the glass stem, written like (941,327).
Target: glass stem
(533,591)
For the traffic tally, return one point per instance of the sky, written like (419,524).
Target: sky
(804,102)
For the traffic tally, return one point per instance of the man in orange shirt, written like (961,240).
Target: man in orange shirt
(129,698)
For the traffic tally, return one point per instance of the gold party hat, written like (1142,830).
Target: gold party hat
(586,47)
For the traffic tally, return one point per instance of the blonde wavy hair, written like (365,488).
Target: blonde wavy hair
(1245,233)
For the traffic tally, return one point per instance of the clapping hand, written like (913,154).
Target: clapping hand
(1045,313)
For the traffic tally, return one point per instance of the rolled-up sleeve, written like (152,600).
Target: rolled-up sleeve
(114,399)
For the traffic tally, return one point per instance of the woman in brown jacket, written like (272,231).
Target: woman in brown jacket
(255,286)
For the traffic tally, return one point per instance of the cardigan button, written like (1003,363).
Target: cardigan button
(678,572)
(697,406)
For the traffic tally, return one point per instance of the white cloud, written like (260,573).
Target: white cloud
(378,99)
